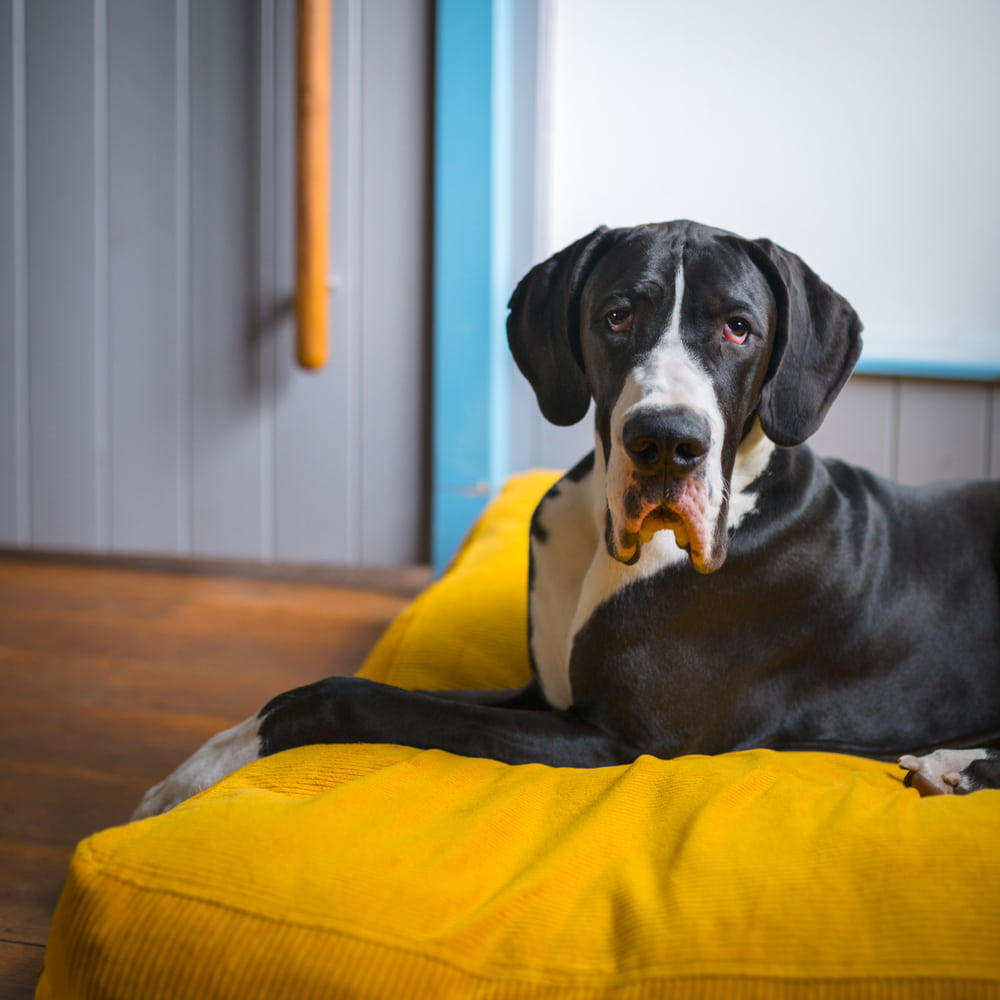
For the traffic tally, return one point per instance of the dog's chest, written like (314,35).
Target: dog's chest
(562,546)
(572,575)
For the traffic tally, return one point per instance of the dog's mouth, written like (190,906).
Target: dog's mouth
(684,508)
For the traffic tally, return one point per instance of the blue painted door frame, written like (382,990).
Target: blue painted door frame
(472,280)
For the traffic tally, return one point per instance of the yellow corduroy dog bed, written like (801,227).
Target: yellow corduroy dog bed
(382,871)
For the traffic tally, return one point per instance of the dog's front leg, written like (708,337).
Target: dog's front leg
(516,727)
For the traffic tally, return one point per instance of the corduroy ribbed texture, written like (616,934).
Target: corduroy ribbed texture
(379,871)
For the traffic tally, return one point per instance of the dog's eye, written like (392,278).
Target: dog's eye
(619,320)
(736,330)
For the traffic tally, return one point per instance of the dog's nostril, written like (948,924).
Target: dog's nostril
(645,451)
(689,452)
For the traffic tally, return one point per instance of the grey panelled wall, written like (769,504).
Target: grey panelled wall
(148,401)
(915,430)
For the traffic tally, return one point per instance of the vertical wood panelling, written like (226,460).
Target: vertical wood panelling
(153,172)
(8,342)
(102,279)
(225,361)
(349,447)
(943,431)
(183,367)
(13,427)
(62,300)
(861,426)
(317,450)
(395,287)
(267,276)
(145,394)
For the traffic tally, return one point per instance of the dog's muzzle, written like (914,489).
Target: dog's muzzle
(668,486)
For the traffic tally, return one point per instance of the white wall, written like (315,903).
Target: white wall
(862,134)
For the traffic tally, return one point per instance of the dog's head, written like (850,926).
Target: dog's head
(683,336)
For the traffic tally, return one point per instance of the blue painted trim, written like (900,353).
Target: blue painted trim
(472,239)
(954,370)
(502,236)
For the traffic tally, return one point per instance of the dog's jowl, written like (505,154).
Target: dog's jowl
(702,582)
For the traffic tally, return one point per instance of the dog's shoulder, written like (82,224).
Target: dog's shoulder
(816,502)
(969,503)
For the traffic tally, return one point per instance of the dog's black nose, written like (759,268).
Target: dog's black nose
(673,440)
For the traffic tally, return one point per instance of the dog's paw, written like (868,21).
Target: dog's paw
(221,755)
(948,772)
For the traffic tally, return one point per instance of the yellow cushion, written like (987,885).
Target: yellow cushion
(470,630)
(380,871)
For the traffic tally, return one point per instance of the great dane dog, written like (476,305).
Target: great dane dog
(702,582)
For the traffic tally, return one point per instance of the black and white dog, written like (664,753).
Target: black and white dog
(702,582)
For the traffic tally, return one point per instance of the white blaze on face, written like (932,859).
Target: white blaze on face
(668,376)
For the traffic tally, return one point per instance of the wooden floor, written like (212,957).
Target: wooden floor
(109,677)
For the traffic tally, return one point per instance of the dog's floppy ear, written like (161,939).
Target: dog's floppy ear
(543,329)
(817,344)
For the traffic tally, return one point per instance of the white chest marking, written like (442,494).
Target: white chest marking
(560,563)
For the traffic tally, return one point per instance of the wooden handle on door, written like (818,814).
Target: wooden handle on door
(312,177)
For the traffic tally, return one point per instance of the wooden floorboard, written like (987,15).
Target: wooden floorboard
(20,965)
(110,676)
